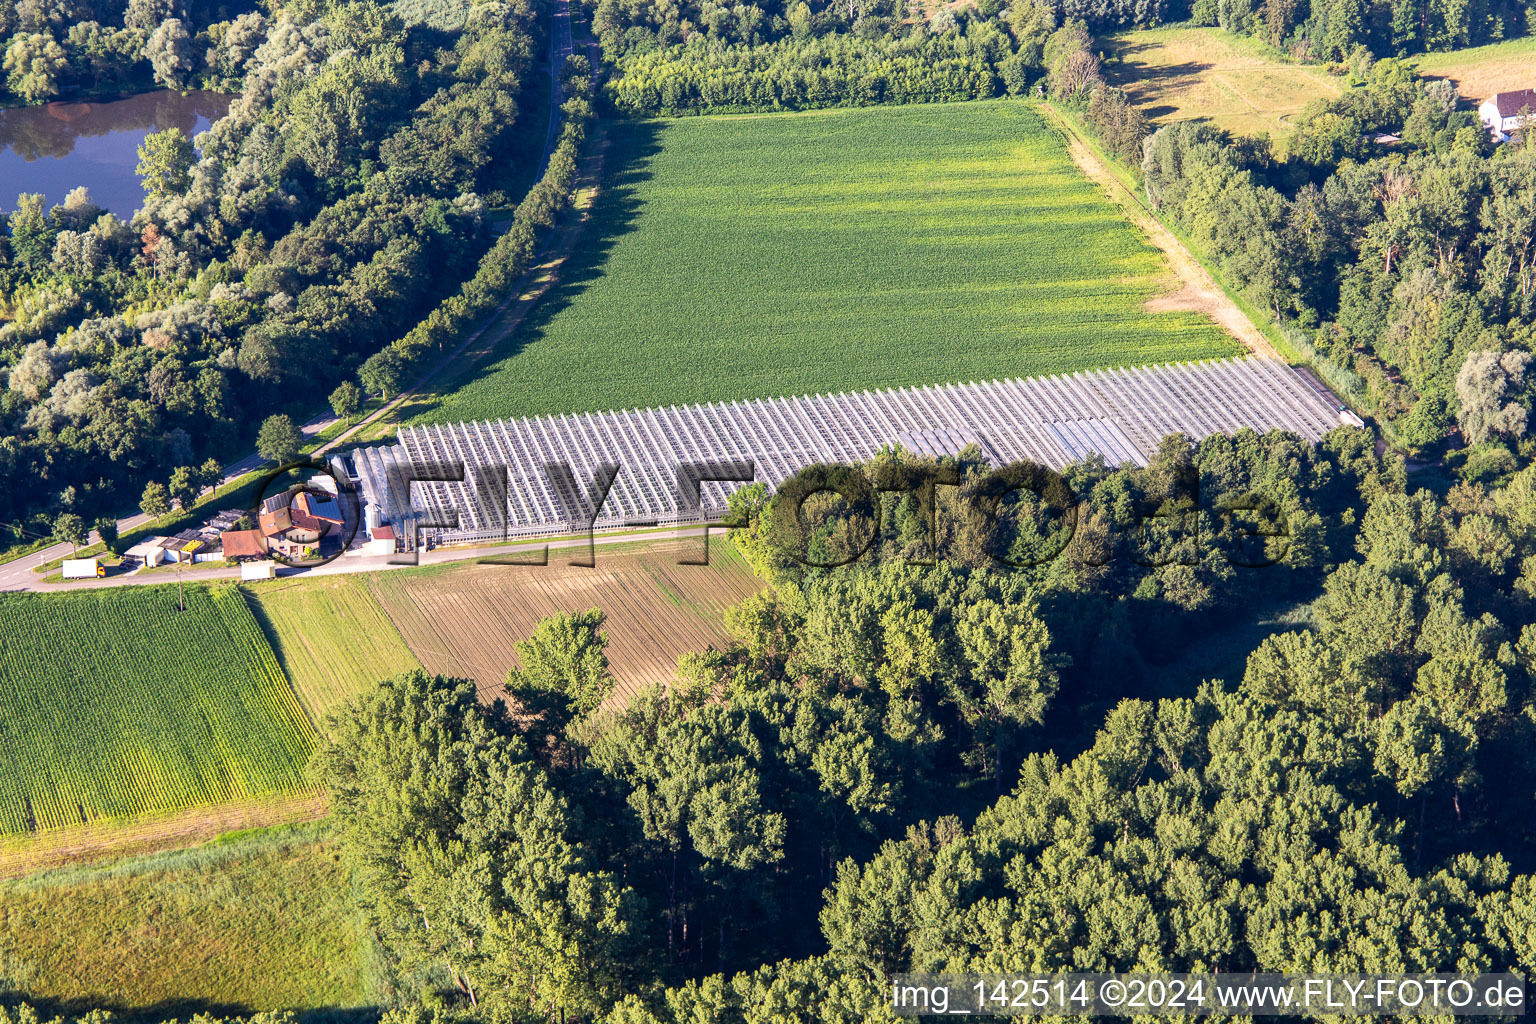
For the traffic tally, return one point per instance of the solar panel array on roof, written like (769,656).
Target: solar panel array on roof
(1121,415)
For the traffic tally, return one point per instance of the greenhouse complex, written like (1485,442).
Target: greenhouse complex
(512,485)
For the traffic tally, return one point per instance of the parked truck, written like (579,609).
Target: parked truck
(83,568)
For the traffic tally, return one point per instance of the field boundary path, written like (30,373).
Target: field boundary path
(151,833)
(19,573)
(1197,292)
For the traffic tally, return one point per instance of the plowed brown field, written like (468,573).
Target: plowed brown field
(463,620)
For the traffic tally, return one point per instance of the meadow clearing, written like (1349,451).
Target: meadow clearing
(1208,74)
(1481,71)
(251,921)
(462,620)
(762,255)
(113,703)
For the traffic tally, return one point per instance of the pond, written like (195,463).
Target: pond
(59,146)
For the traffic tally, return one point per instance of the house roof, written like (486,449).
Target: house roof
(275,523)
(317,506)
(302,520)
(1508,104)
(244,544)
(276,502)
(384,532)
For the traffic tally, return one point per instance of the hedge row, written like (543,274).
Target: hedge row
(503,265)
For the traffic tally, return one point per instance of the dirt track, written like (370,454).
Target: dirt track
(1196,291)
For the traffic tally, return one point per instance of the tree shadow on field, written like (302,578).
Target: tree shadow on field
(1144,77)
(185,1010)
(626,167)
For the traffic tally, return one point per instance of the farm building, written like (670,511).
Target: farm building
(297,518)
(1501,111)
(312,515)
(242,544)
(188,546)
(1120,415)
(274,520)
(381,540)
(150,551)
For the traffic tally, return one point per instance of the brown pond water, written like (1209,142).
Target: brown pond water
(59,146)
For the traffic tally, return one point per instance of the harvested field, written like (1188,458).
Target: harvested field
(464,619)
(1481,71)
(331,637)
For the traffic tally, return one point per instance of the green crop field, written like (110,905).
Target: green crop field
(752,256)
(113,702)
(331,637)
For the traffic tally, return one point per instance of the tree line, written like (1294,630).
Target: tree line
(792,54)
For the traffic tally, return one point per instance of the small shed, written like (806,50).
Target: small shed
(262,570)
(186,549)
(149,552)
(381,540)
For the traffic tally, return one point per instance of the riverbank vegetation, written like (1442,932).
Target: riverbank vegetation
(344,194)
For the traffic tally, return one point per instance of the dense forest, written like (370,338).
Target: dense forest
(976,761)
(345,197)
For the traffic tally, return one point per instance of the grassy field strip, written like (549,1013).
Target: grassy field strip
(151,832)
(258,921)
(464,621)
(1199,290)
(115,703)
(739,257)
(330,636)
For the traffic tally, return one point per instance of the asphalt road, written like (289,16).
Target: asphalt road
(560,549)
(20,574)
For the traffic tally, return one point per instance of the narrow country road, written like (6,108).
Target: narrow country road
(20,573)
(560,548)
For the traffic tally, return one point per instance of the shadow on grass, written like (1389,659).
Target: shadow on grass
(1147,77)
(185,1010)
(626,167)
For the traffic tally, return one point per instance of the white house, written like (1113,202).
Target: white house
(1501,111)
